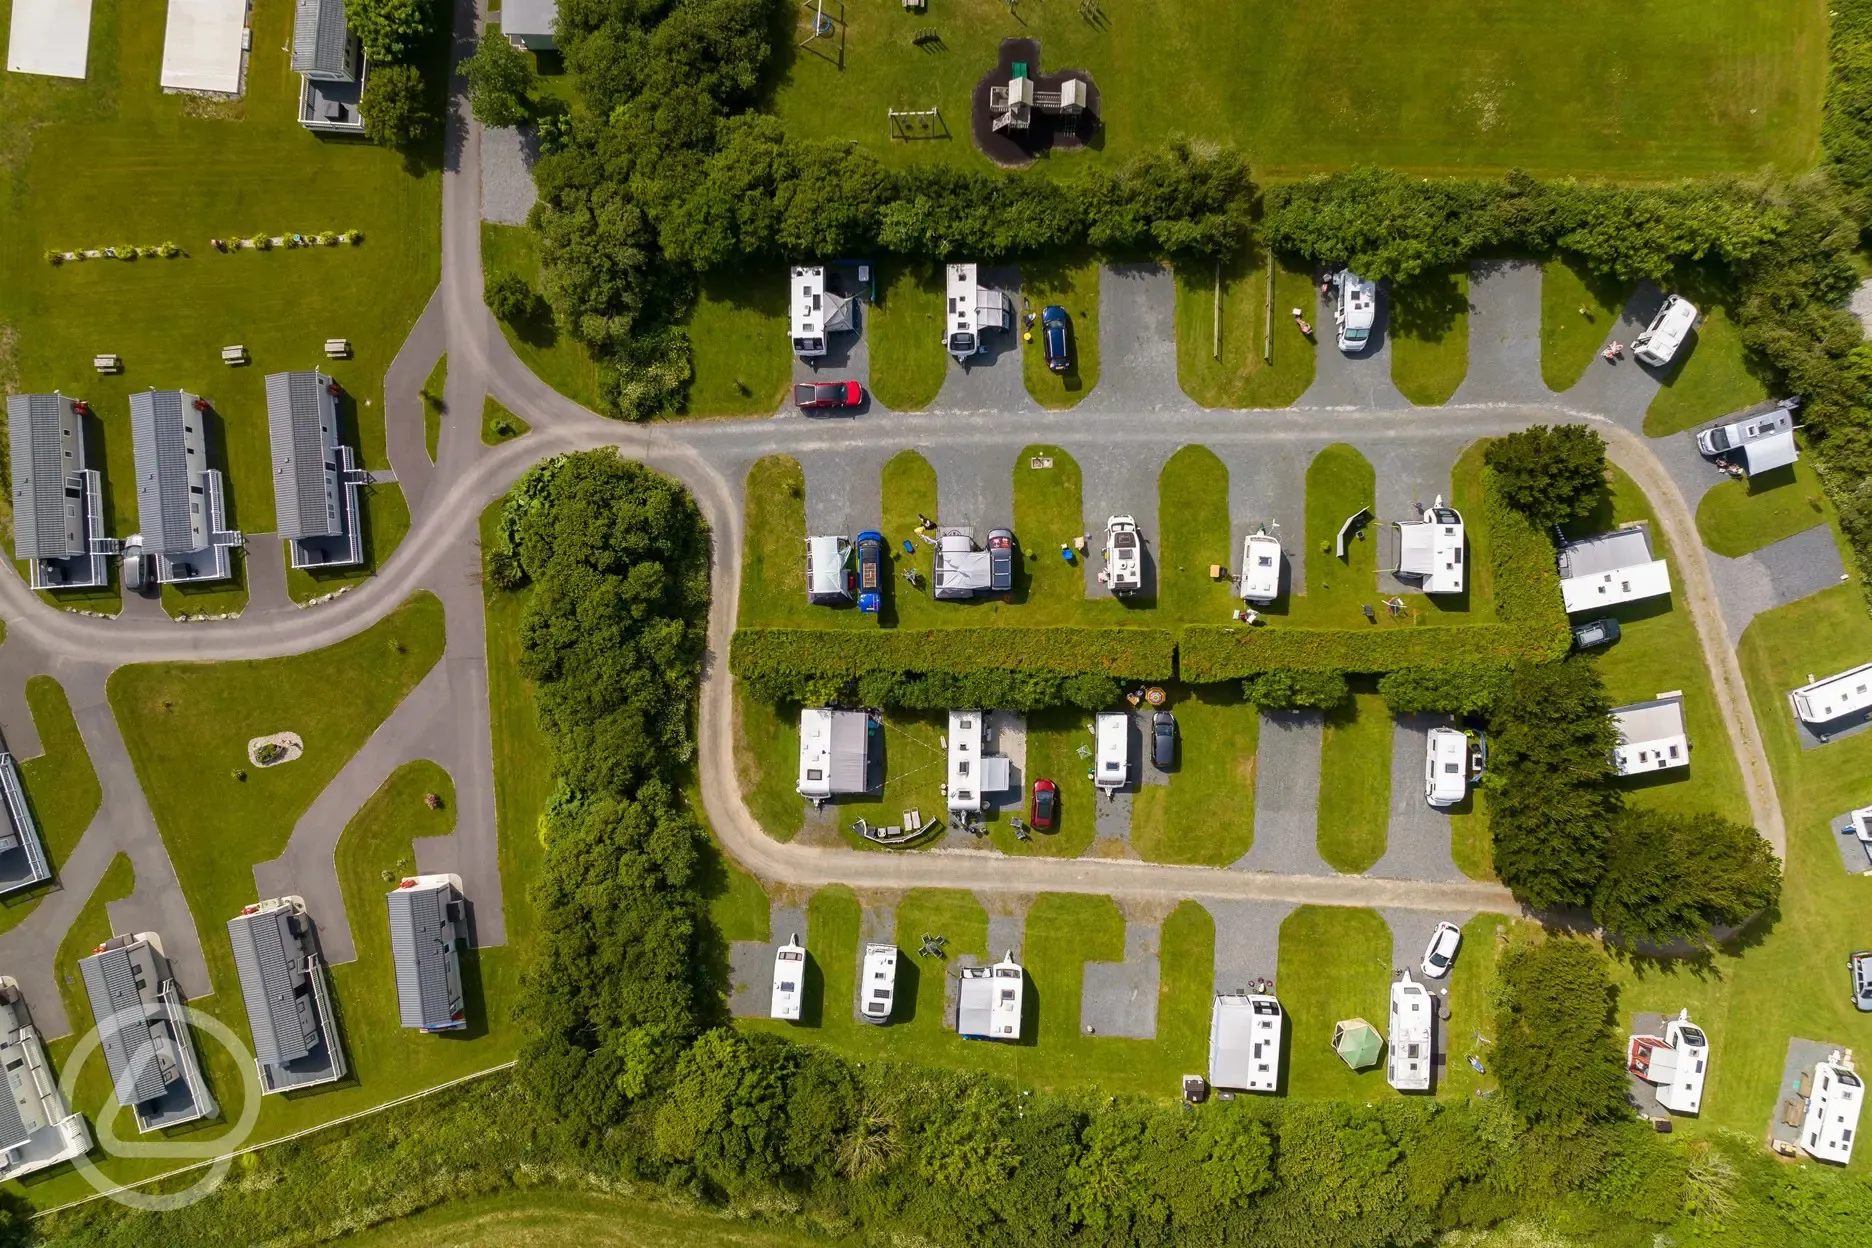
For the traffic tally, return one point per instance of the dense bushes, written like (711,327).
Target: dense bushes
(1671,877)
(1289,690)
(1455,688)
(1554,1046)
(1550,475)
(1015,668)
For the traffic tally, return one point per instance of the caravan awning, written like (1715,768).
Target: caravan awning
(850,766)
(1416,549)
(1777,450)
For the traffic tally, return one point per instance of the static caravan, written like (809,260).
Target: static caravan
(1409,1041)
(1676,1062)
(789,980)
(1610,568)
(1430,550)
(1446,766)
(1833,1112)
(1260,568)
(1836,697)
(988,1000)
(974,773)
(817,312)
(973,309)
(1112,760)
(1659,343)
(1245,1042)
(1650,735)
(877,985)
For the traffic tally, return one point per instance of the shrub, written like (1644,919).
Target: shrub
(54,257)
(503,571)
(125,251)
(395,106)
(1454,688)
(328,239)
(1554,1048)
(262,242)
(1287,690)
(170,251)
(509,298)
(1674,877)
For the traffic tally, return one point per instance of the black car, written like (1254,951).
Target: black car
(1595,633)
(1053,330)
(1163,740)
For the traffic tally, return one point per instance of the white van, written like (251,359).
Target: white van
(1113,757)
(1446,767)
(828,571)
(1658,344)
(1356,312)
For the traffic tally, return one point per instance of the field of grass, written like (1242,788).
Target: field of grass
(743,360)
(542,1216)
(1430,336)
(903,332)
(1335,963)
(1578,310)
(434,404)
(61,788)
(1712,376)
(1339,482)
(117,161)
(1440,88)
(1243,376)
(557,358)
(499,425)
(1205,814)
(1657,651)
(1355,783)
(1194,535)
(1737,517)
(1073,284)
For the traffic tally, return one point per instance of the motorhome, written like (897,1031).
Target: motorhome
(878,986)
(1112,760)
(789,980)
(1260,568)
(1661,339)
(1124,556)
(818,313)
(1409,1041)
(1430,550)
(1446,766)
(1356,312)
(1245,1042)
(1833,1110)
(1756,444)
(973,310)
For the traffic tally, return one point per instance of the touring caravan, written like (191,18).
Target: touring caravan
(789,980)
(1113,756)
(1260,568)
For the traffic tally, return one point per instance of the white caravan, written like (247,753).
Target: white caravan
(1113,756)
(1446,766)
(877,986)
(973,309)
(1260,568)
(1408,1042)
(789,979)
(1245,1042)
(1661,339)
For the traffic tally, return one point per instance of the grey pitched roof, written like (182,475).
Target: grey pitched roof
(421,951)
(12,1128)
(39,471)
(121,1013)
(271,958)
(528,17)
(162,468)
(301,418)
(321,39)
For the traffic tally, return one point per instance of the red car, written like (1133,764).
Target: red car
(808,394)
(1043,812)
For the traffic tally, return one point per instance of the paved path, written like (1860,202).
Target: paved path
(1353,381)
(1137,342)
(1287,780)
(1417,841)
(1504,334)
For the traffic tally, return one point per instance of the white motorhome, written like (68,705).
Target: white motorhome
(1833,1111)
(988,1000)
(817,312)
(1409,1041)
(1245,1042)
(1356,312)
(828,571)
(1112,758)
(1836,697)
(1676,1063)
(1659,342)
(789,980)
(973,772)
(878,986)
(973,309)
(1446,766)
(1430,550)
(1260,568)
(1759,443)
(1124,556)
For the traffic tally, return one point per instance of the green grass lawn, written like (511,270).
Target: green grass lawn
(1578,310)
(1737,517)
(1063,932)
(212,598)
(557,358)
(1054,737)
(1335,963)
(1194,535)
(767,763)
(1430,336)
(1243,376)
(1355,783)
(1048,515)
(1073,284)
(1440,88)
(118,161)
(499,425)
(1471,846)
(1339,482)
(908,484)
(1710,377)
(1657,651)
(434,404)
(743,357)
(61,788)
(1205,814)
(903,332)
(914,771)
(542,1215)
(523,761)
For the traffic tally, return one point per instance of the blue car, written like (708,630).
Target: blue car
(870,571)
(1053,334)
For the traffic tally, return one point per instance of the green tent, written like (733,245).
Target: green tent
(1357,1042)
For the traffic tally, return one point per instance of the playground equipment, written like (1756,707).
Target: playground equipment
(923,123)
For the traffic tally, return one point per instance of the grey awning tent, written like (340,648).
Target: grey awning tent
(1777,450)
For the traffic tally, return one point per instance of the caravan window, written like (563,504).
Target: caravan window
(813,773)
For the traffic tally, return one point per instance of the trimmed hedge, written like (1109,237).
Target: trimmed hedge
(1527,600)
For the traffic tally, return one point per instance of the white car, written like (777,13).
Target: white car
(1441,951)
(1356,311)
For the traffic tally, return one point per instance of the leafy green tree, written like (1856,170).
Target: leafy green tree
(1675,877)
(1286,690)
(509,297)
(1551,475)
(1464,689)
(388,29)
(1555,1053)
(500,82)
(395,106)
(1550,783)
(1237,1155)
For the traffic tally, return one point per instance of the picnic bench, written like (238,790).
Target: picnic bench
(236,354)
(338,348)
(107,363)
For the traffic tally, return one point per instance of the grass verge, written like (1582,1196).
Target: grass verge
(434,404)
(1193,520)
(1430,336)
(1335,963)
(1242,375)
(903,332)
(1739,517)
(499,425)
(1205,815)
(1073,284)
(1339,482)
(540,1216)
(1579,309)
(557,358)
(1355,783)
(743,357)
